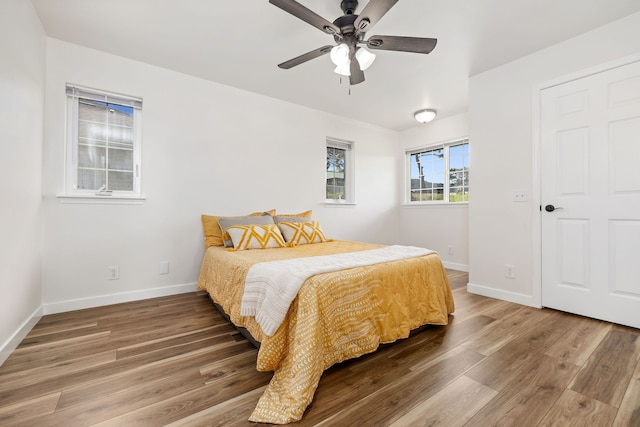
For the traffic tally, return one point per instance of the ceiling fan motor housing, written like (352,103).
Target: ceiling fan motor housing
(347,29)
(348,6)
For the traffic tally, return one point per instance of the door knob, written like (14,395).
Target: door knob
(551,208)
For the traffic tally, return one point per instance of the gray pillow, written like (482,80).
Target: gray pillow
(285,218)
(227,222)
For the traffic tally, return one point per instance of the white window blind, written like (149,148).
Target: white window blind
(79,92)
(335,143)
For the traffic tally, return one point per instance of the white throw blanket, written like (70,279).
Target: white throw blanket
(270,287)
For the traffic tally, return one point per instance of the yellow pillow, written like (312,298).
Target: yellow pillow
(255,236)
(213,232)
(302,233)
(305,214)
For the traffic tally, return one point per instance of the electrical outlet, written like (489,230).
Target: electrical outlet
(114,272)
(519,196)
(510,271)
(164,267)
(450,251)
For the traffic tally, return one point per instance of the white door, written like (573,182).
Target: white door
(590,174)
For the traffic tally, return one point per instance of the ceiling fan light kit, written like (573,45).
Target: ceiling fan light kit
(365,58)
(343,69)
(348,32)
(340,54)
(425,116)
(340,57)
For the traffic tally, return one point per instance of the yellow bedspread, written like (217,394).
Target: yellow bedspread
(336,316)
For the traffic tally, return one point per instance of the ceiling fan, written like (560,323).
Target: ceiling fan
(348,32)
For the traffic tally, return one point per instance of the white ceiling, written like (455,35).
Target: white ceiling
(239,43)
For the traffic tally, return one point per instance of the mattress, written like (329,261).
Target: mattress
(336,316)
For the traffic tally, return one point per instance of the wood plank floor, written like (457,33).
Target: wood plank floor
(176,361)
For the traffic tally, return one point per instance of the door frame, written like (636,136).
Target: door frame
(536,201)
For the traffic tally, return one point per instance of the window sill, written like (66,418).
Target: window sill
(336,204)
(101,200)
(435,205)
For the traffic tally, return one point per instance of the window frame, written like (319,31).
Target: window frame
(445,146)
(73,194)
(349,180)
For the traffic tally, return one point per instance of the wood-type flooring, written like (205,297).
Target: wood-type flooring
(175,361)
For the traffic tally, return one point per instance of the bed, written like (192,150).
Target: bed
(335,316)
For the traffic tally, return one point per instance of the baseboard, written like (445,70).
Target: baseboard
(454,266)
(78,304)
(98,301)
(13,342)
(503,295)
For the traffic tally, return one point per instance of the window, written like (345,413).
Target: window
(339,186)
(103,151)
(440,173)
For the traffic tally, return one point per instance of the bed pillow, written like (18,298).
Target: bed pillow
(226,222)
(255,236)
(305,214)
(286,218)
(212,231)
(302,233)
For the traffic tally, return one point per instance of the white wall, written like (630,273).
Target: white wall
(22,73)
(502,152)
(436,227)
(207,148)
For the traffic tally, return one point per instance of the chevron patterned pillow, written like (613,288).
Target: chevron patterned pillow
(302,233)
(256,236)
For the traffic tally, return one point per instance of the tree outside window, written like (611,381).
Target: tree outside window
(339,172)
(336,167)
(439,174)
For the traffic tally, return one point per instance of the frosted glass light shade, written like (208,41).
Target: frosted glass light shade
(425,116)
(340,54)
(365,58)
(343,69)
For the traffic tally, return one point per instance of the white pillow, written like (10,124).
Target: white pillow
(302,233)
(226,222)
(255,236)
